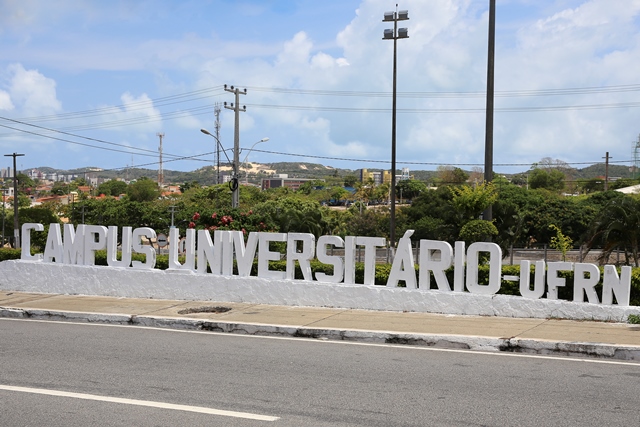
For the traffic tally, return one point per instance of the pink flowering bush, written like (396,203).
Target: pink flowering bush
(233,219)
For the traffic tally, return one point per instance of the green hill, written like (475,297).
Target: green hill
(207,174)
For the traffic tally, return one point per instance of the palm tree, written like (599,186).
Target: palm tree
(618,227)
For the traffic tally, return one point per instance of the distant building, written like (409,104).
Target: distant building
(169,190)
(378,177)
(283,180)
(6,173)
(405,175)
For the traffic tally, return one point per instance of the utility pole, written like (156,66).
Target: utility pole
(160,169)
(606,171)
(488,141)
(235,199)
(16,223)
(216,111)
(173,211)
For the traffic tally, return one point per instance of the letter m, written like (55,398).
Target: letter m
(73,245)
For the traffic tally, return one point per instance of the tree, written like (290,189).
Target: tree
(478,230)
(25,183)
(618,227)
(294,214)
(143,190)
(519,179)
(113,187)
(39,215)
(188,185)
(448,175)
(591,185)
(23,201)
(410,188)
(60,188)
(622,183)
(369,223)
(430,228)
(310,186)
(338,194)
(350,180)
(364,190)
(79,181)
(470,202)
(552,180)
(476,175)
(381,192)
(547,163)
(560,242)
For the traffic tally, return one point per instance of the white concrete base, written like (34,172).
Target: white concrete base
(29,276)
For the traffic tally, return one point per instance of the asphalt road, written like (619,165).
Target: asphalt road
(125,376)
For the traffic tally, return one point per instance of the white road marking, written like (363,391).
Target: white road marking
(329,341)
(148,403)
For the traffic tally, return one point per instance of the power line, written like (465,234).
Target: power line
(471,94)
(134,106)
(446,110)
(195,157)
(84,137)
(69,134)
(73,142)
(218,90)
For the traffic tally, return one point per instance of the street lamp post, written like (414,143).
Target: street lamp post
(244,162)
(233,185)
(394,34)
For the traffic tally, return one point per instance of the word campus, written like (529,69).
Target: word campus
(78,246)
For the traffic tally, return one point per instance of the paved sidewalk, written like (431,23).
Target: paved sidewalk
(540,336)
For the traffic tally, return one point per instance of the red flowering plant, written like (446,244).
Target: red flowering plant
(232,219)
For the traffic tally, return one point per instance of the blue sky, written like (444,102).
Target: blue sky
(111,75)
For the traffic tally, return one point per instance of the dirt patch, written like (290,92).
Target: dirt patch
(205,309)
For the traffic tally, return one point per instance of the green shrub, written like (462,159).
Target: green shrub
(8,253)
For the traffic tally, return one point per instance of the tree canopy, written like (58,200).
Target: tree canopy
(143,190)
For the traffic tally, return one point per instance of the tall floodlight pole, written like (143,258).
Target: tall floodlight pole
(16,223)
(235,188)
(488,141)
(4,192)
(394,35)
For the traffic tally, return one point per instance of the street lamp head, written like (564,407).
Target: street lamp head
(265,139)
(206,132)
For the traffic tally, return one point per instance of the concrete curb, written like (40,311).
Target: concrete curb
(460,342)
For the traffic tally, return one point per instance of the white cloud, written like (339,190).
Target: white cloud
(355,149)
(296,51)
(5,101)
(31,92)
